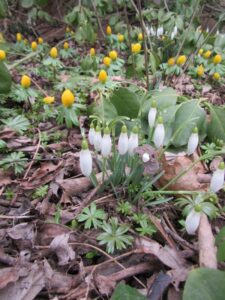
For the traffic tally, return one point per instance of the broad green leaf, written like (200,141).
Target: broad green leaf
(165,98)
(220,243)
(5,79)
(106,111)
(19,123)
(3,9)
(205,284)
(155,61)
(27,3)
(126,103)
(188,115)
(126,292)
(216,127)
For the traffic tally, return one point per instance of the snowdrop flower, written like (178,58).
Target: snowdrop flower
(152,31)
(217,180)
(152,114)
(85,159)
(91,134)
(106,143)
(159,133)
(193,141)
(175,30)
(159,31)
(207,30)
(192,220)
(145,157)
(123,141)
(133,140)
(97,138)
(217,32)
(172,35)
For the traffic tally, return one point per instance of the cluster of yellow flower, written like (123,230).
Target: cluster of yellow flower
(181,60)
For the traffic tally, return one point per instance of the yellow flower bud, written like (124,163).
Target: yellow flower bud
(65,45)
(67,98)
(140,36)
(2,55)
(67,29)
(181,60)
(108,30)
(217,59)
(92,51)
(200,51)
(34,46)
(200,70)
(136,48)
(107,61)
(171,61)
(25,81)
(102,76)
(19,37)
(40,40)
(120,38)
(113,55)
(216,76)
(54,52)
(49,100)
(207,54)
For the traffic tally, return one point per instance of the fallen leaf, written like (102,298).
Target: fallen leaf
(23,235)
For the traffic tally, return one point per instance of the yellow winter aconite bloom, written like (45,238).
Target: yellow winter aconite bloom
(67,98)
(66,46)
(113,55)
(67,29)
(217,59)
(92,51)
(120,37)
(200,51)
(40,40)
(2,55)
(107,61)
(136,48)
(25,81)
(49,100)
(140,36)
(19,37)
(216,76)
(171,61)
(207,54)
(34,46)
(108,30)
(200,70)
(53,52)
(102,76)
(181,60)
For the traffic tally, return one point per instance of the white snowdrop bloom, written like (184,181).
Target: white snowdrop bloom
(152,31)
(97,138)
(217,32)
(85,159)
(207,30)
(145,157)
(152,114)
(193,141)
(123,141)
(159,31)
(91,134)
(133,140)
(172,36)
(159,133)
(192,221)
(106,143)
(217,180)
(175,30)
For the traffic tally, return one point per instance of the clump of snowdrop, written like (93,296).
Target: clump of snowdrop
(123,141)
(85,159)
(91,134)
(133,140)
(193,141)
(106,144)
(159,133)
(98,138)
(152,114)
(217,180)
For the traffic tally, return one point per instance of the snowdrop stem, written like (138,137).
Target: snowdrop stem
(103,169)
(150,134)
(93,179)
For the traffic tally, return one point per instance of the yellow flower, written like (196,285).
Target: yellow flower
(92,51)
(67,29)
(40,40)
(181,60)
(107,61)
(207,54)
(19,37)
(25,81)
(108,30)
(2,55)
(136,48)
(140,36)
(102,76)
(120,37)
(113,55)
(216,76)
(171,61)
(67,98)
(34,46)
(200,70)
(200,51)
(54,52)
(49,100)
(217,59)
(66,46)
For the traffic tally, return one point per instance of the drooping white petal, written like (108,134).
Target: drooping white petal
(192,221)
(106,145)
(123,143)
(86,162)
(97,141)
(172,36)
(132,143)
(152,116)
(159,135)
(192,143)
(217,180)
(91,136)
(175,31)
(145,157)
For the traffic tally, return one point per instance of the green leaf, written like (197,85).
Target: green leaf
(19,123)
(3,9)
(126,292)
(216,127)
(106,111)
(5,79)
(165,98)
(126,103)
(203,283)
(155,61)
(27,3)
(220,242)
